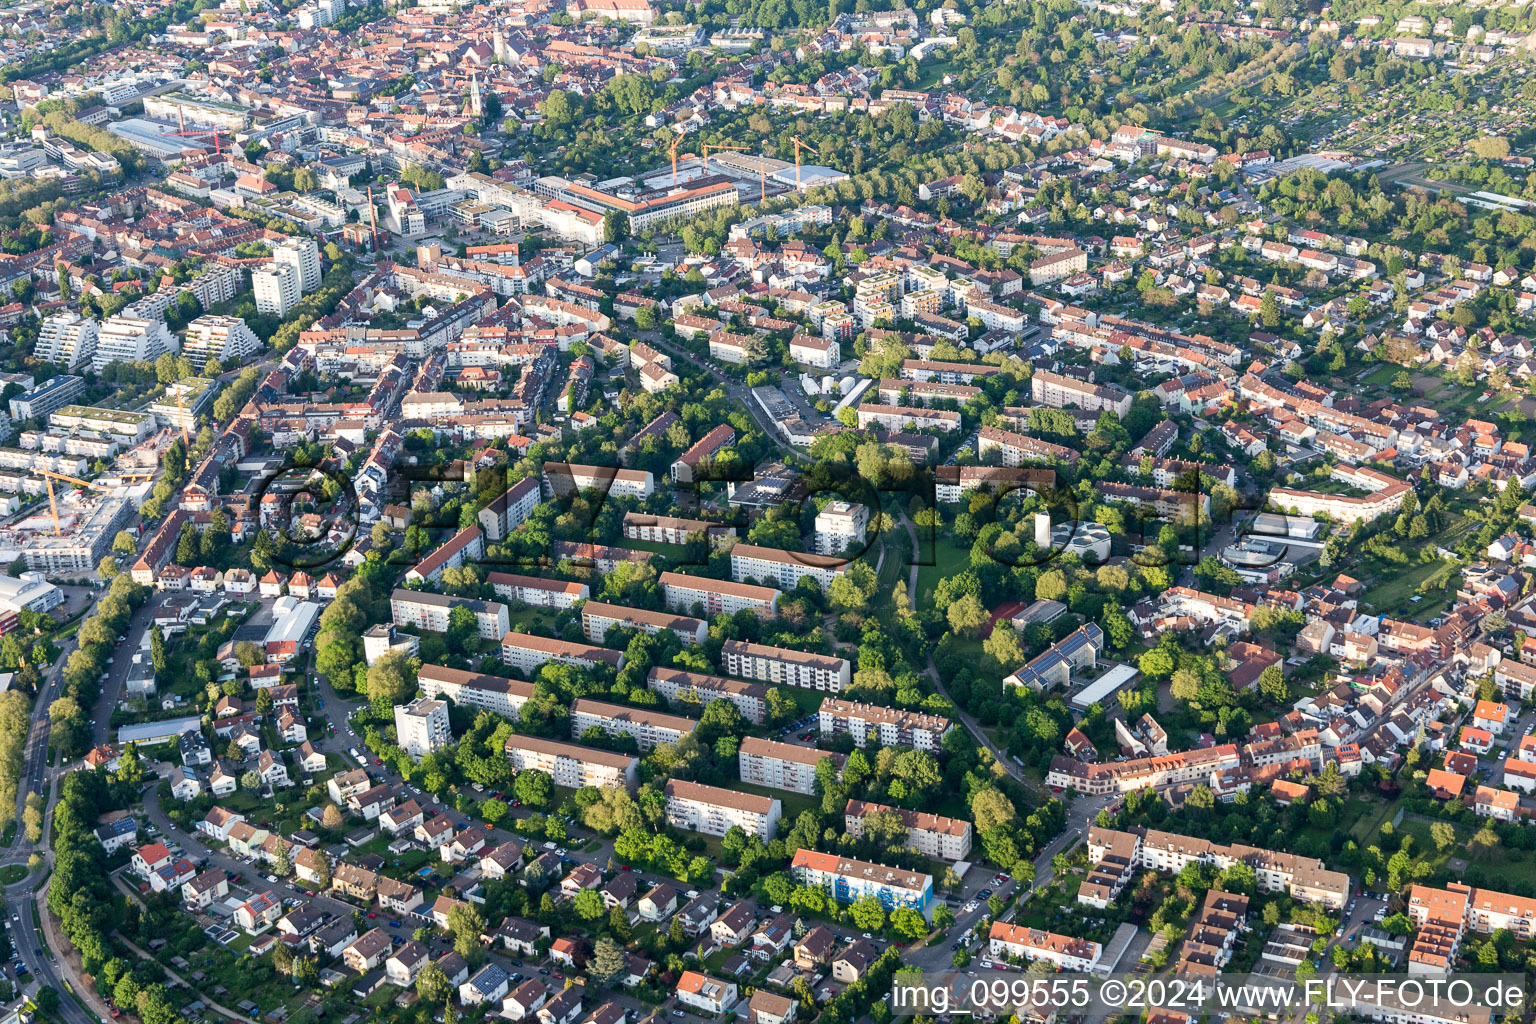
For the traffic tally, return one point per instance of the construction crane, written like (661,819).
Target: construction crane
(672,150)
(181,415)
(798,147)
(718,149)
(373,219)
(196,133)
(53,505)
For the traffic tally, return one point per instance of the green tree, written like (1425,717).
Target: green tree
(534,788)
(588,904)
(466,926)
(608,962)
(392,679)
(868,914)
(967,615)
(615,226)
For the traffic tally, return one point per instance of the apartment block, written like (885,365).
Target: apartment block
(526,652)
(647,727)
(499,694)
(52,394)
(785,766)
(430,612)
(131,339)
(277,288)
(537,591)
(1100,778)
(1304,878)
(562,479)
(510,510)
(715,811)
(466,546)
(841,526)
(685,466)
(226,339)
(1012,941)
(123,425)
(717,597)
(570,765)
(891,727)
(597,617)
(906,417)
(674,530)
(1019,449)
(422,726)
(675,684)
(847,880)
(303,254)
(783,569)
(782,665)
(934,836)
(67,339)
(1062,392)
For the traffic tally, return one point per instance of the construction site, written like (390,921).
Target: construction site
(756,176)
(61,522)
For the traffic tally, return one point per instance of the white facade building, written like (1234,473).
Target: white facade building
(223,338)
(278,288)
(130,339)
(422,726)
(67,339)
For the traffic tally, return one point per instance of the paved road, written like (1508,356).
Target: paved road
(117,670)
(737,391)
(35,953)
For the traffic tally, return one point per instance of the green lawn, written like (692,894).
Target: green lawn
(949,560)
(807,700)
(1514,865)
(794,803)
(1365,827)
(536,620)
(1393,595)
(1382,376)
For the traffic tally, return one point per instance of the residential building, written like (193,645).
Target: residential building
(714,811)
(717,597)
(784,666)
(504,696)
(846,880)
(597,617)
(422,726)
(889,726)
(678,685)
(785,766)
(647,727)
(934,836)
(430,612)
(1011,941)
(572,766)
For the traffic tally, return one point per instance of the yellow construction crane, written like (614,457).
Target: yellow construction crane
(798,147)
(53,505)
(182,416)
(672,149)
(718,149)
